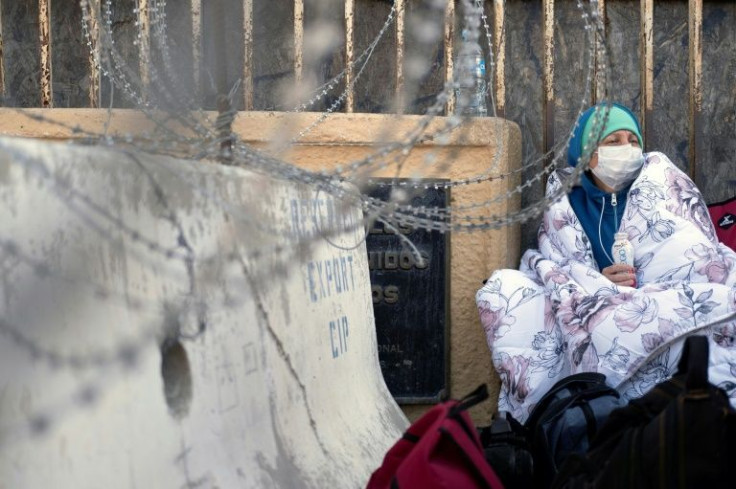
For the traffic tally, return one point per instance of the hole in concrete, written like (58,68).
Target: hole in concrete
(177,378)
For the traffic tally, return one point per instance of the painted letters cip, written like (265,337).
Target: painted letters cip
(339,332)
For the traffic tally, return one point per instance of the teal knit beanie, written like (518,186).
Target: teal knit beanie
(616,119)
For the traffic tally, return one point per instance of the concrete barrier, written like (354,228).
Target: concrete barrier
(481,146)
(159,329)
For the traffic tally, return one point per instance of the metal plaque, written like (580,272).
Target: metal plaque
(410,298)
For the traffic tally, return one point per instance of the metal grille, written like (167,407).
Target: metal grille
(498,83)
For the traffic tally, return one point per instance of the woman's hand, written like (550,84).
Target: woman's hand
(621,274)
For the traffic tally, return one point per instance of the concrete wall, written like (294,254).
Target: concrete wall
(480,145)
(159,328)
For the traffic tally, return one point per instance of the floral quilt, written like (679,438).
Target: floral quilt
(558,315)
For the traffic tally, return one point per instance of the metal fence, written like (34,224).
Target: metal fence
(502,25)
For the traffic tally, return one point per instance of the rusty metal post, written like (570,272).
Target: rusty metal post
(44,23)
(449,53)
(248,55)
(144,46)
(223,124)
(599,75)
(647,65)
(298,39)
(548,14)
(400,30)
(499,43)
(197,46)
(94,67)
(2,59)
(349,54)
(695,76)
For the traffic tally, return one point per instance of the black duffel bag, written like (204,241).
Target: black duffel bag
(682,433)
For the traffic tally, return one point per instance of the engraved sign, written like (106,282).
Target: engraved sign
(410,299)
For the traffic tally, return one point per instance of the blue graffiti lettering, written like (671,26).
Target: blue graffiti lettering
(325,278)
(340,328)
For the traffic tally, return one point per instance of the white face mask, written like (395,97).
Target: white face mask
(618,165)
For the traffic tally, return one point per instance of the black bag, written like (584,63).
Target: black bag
(506,449)
(565,421)
(680,434)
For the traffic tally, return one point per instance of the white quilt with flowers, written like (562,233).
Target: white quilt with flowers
(558,315)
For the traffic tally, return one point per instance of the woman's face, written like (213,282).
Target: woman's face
(616,138)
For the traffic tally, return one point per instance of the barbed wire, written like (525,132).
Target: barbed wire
(183,129)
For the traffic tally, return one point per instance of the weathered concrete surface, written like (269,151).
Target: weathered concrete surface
(483,145)
(158,330)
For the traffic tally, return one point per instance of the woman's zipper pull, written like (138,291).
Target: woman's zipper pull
(613,200)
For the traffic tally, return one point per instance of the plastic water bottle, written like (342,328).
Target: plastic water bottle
(471,90)
(622,249)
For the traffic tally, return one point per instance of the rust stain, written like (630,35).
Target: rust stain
(449,53)
(2,60)
(548,9)
(44,21)
(94,68)
(647,63)
(349,54)
(144,30)
(549,49)
(599,81)
(196,44)
(298,39)
(499,42)
(400,20)
(695,75)
(248,55)
(696,52)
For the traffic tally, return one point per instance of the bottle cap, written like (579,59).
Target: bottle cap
(620,236)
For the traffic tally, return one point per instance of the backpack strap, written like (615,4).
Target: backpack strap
(476,397)
(694,362)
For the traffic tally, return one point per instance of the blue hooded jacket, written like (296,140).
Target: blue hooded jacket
(599,212)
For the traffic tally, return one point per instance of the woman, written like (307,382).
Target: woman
(599,202)
(570,309)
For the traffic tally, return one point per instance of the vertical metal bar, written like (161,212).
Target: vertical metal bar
(349,54)
(548,14)
(298,39)
(647,65)
(499,42)
(218,23)
(2,59)
(144,54)
(695,70)
(599,76)
(248,55)
(44,22)
(400,22)
(197,45)
(94,67)
(449,53)
(223,123)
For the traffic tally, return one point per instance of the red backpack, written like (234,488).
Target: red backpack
(441,449)
(723,215)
